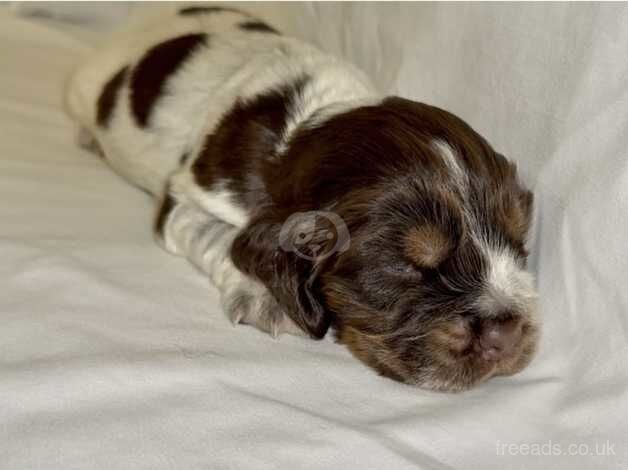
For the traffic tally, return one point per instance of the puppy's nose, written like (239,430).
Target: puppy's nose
(499,338)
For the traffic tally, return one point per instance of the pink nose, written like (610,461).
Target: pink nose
(499,338)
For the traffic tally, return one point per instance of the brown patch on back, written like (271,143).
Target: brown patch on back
(245,141)
(152,72)
(258,26)
(108,97)
(193,11)
(427,245)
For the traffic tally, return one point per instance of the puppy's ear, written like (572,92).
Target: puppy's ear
(274,253)
(516,214)
(526,199)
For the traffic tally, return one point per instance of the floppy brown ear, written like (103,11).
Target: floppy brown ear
(527,204)
(518,215)
(263,250)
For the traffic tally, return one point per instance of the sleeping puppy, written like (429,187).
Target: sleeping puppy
(311,201)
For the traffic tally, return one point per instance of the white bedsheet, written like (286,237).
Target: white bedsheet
(115,355)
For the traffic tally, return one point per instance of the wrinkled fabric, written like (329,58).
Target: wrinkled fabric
(115,355)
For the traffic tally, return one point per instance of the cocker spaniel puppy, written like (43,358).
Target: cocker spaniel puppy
(311,201)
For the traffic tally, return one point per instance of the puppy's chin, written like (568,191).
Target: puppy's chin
(446,358)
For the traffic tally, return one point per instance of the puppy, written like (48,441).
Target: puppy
(311,201)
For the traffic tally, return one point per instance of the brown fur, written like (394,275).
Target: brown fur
(109,97)
(204,10)
(427,245)
(150,75)
(402,296)
(258,26)
(241,148)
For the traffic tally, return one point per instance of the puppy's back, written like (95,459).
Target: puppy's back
(175,100)
(151,93)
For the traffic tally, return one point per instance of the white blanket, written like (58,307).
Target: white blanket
(115,355)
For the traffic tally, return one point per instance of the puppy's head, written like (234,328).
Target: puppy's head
(432,295)
(404,230)
(432,289)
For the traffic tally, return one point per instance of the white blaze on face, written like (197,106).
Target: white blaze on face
(451,161)
(507,285)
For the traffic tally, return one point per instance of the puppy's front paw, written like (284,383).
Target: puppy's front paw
(256,307)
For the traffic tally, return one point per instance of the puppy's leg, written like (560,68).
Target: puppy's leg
(184,229)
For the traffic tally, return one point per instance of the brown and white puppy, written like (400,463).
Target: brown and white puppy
(312,202)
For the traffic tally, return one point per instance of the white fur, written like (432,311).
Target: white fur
(237,65)
(507,285)
(218,201)
(205,241)
(453,164)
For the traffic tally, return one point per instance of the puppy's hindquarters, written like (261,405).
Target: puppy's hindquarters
(117,96)
(144,157)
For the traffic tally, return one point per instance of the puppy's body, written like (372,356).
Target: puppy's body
(171,81)
(235,128)
(151,98)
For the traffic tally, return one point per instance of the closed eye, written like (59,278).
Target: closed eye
(430,274)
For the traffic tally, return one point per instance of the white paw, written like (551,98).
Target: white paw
(253,305)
